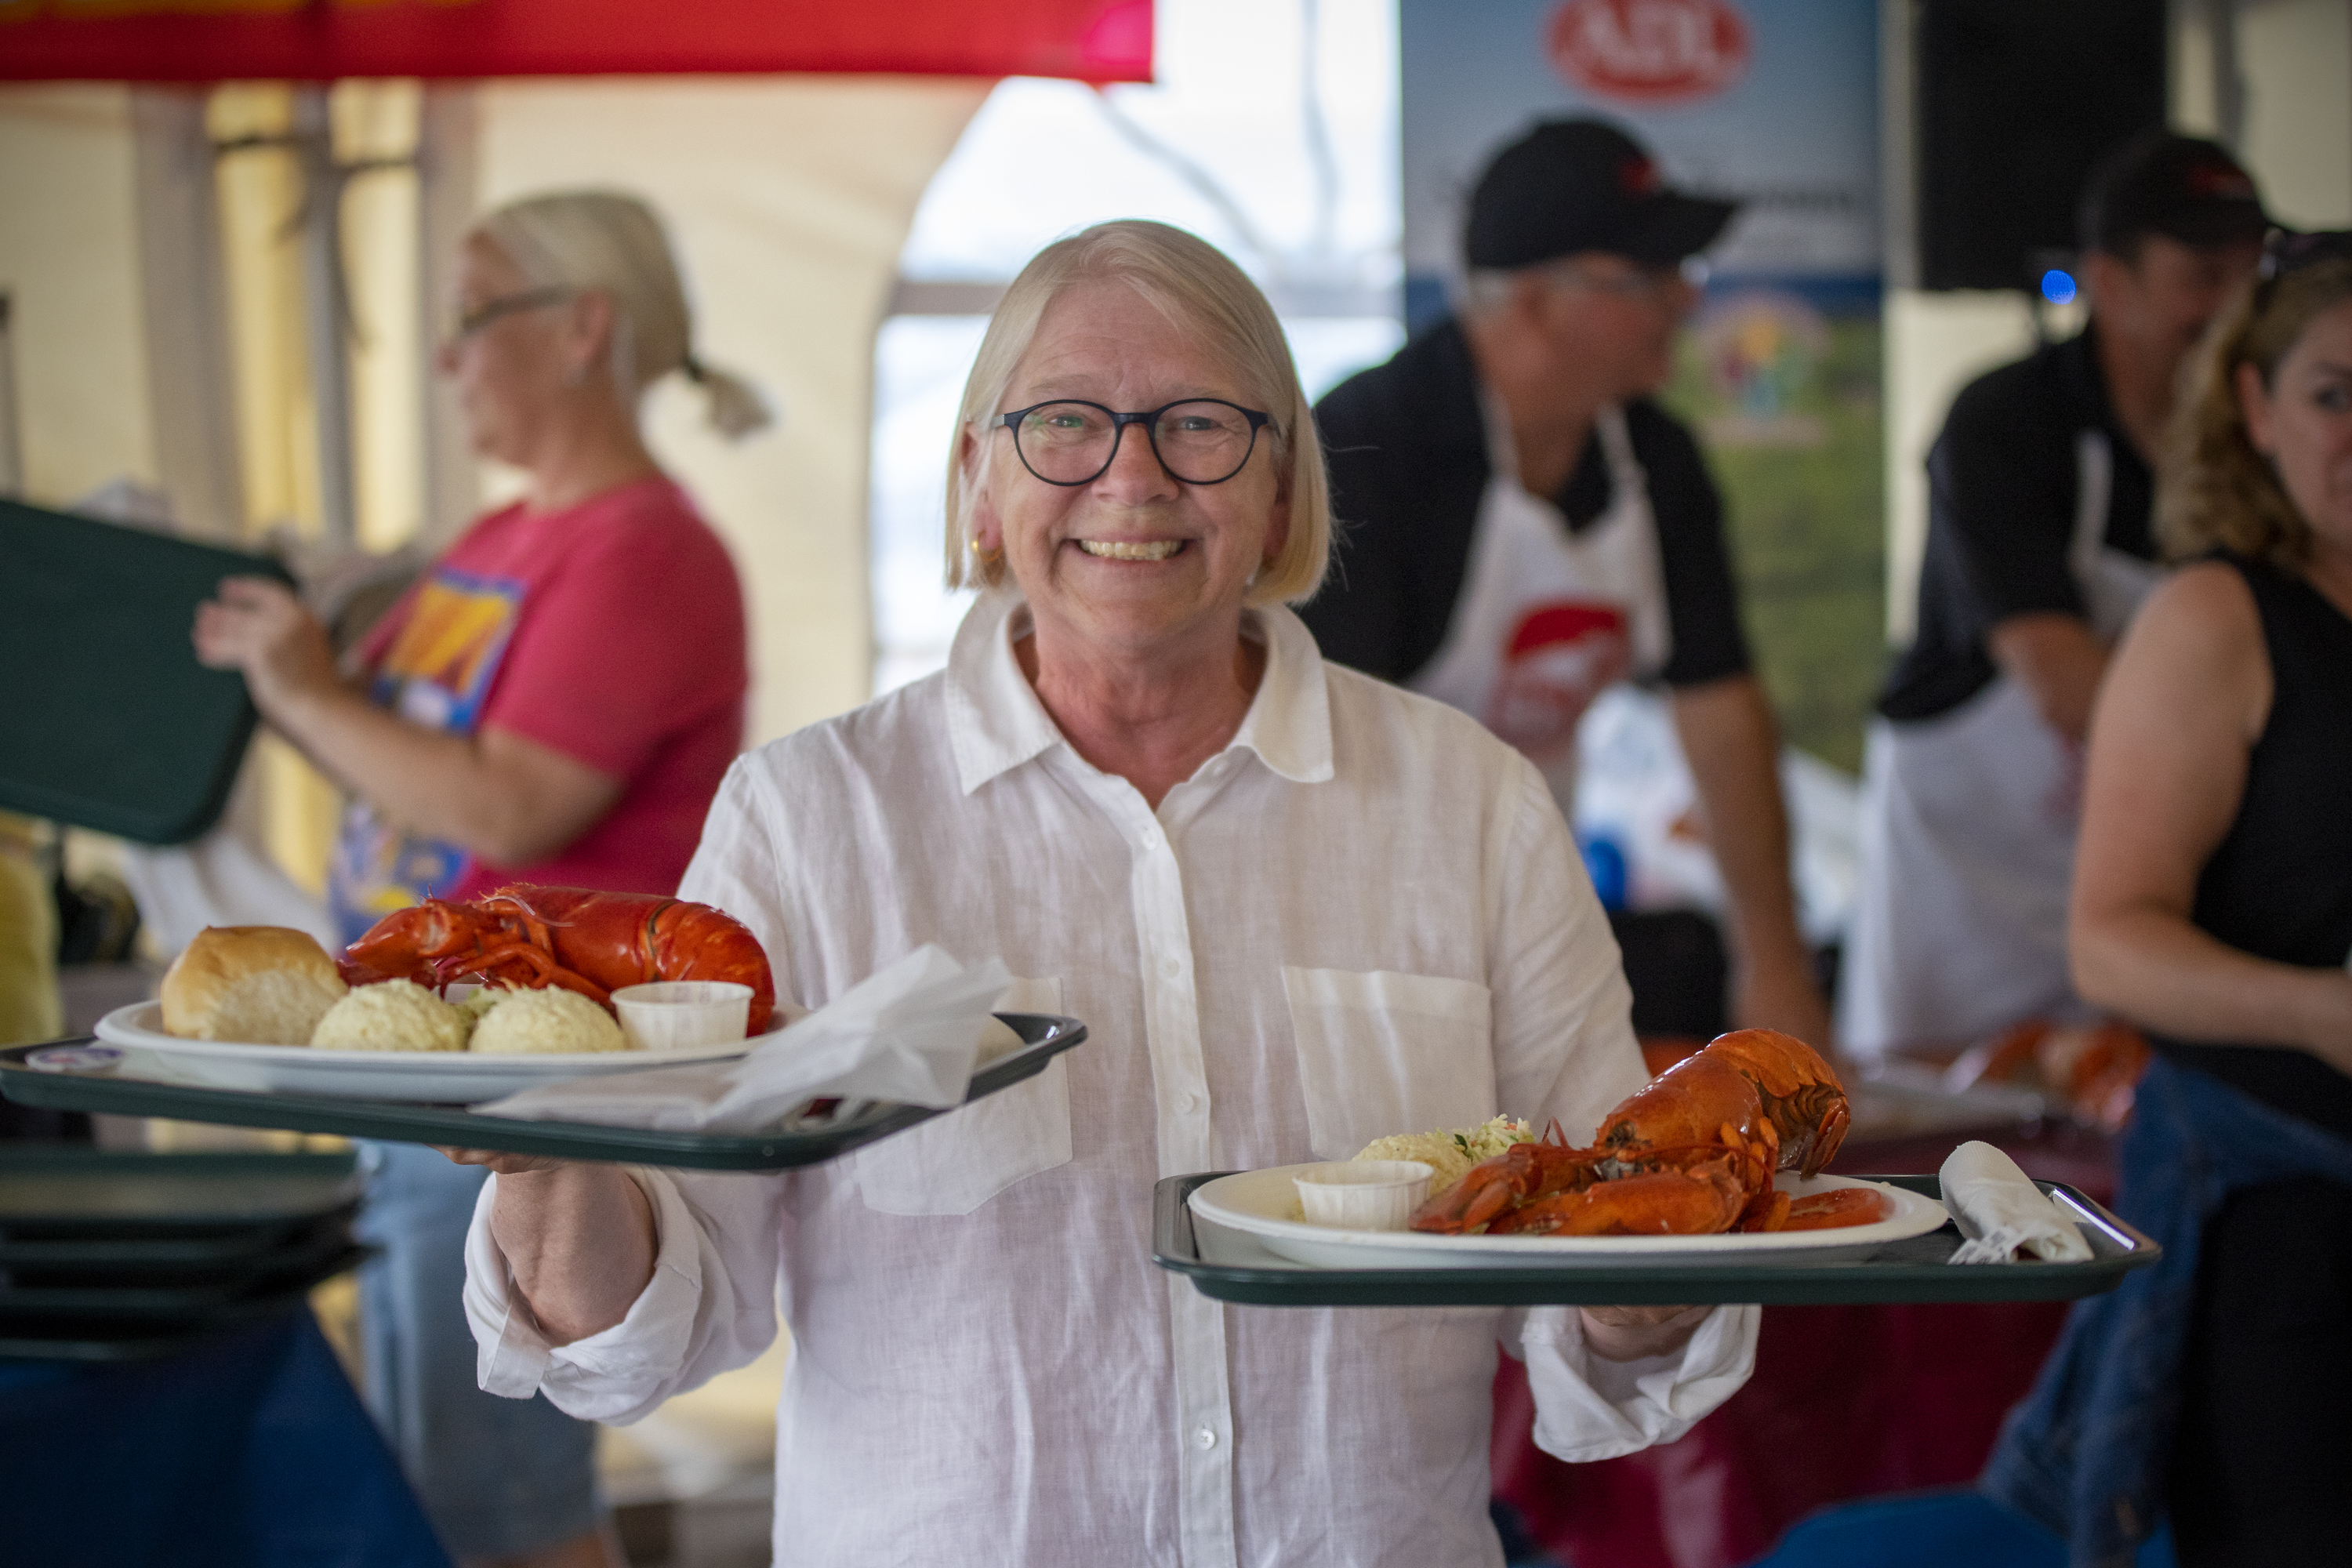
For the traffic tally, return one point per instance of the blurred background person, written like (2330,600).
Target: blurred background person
(29,1008)
(1523,526)
(555,701)
(2039,549)
(2212,905)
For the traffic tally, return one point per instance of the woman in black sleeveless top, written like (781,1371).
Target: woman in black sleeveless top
(2213,905)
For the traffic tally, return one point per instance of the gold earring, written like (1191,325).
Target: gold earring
(984,555)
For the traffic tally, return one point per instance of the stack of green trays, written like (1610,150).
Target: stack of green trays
(107,1257)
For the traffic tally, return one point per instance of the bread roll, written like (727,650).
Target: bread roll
(265,985)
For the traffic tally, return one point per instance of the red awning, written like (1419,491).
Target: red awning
(214,40)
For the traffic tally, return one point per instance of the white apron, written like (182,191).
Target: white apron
(1967,838)
(1548,619)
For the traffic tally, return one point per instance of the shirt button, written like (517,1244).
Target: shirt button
(1206,1438)
(1171,967)
(1189,1102)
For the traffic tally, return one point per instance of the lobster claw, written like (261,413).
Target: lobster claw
(1519,1175)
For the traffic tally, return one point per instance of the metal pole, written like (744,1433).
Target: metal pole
(2228,84)
(12,450)
(325,310)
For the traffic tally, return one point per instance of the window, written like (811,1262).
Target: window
(1271,133)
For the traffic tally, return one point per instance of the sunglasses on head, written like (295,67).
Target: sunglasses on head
(2285,253)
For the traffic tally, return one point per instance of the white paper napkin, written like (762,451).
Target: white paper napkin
(911,1033)
(2000,1211)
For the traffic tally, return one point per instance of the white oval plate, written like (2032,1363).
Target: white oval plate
(1263,1204)
(446,1077)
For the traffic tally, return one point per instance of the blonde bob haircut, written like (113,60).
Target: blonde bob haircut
(1204,295)
(2219,491)
(611,242)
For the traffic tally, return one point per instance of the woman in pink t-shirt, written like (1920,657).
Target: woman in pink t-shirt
(555,701)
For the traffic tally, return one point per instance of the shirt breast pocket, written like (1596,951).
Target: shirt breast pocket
(953,1164)
(1382,1052)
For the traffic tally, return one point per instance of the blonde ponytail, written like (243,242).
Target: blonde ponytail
(613,243)
(731,405)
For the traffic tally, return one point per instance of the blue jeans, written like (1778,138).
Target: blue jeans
(496,1476)
(2087,1452)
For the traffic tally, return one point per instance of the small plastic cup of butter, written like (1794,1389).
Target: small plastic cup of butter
(1364,1195)
(680,1014)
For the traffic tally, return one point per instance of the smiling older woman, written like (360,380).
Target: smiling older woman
(1299,909)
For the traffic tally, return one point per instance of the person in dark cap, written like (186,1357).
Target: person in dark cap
(2039,550)
(1524,526)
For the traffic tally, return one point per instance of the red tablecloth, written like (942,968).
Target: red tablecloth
(1846,1402)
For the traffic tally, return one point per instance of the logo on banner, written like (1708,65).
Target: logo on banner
(1649,51)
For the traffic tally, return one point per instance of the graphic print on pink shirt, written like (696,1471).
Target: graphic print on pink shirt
(612,632)
(435,673)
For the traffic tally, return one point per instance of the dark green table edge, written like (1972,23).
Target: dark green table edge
(81,1337)
(320,1260)
(1046,1036)
(90,1343)
(1870,1281)
(188,1234)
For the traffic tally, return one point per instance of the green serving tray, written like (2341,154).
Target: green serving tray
(52,1194)
(1912,1270)
(107,721)
(807,1141)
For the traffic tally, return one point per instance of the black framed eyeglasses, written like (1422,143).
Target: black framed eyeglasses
(1199,440)
(488,310)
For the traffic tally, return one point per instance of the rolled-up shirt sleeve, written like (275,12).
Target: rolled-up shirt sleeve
(711,1303)
(1589,1408)
(708,1308)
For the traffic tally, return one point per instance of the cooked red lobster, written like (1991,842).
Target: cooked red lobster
(587,941)
(1692,1153)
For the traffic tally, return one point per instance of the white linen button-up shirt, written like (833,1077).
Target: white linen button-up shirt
(1365,916)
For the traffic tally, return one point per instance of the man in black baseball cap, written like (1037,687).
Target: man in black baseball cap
(2041,491)
(1572,186)
(1524,527)
(2182,187)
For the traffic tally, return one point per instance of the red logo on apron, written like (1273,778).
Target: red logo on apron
(1649,51)
(1556,660)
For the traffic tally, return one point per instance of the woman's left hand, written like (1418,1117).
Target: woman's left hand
(258,627)
(1636,1334)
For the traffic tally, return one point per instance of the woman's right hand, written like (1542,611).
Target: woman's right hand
(578,1237)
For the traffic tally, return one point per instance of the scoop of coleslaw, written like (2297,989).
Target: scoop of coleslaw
(1451,1154)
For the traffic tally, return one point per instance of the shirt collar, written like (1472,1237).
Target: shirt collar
(1288,724)
(995,722)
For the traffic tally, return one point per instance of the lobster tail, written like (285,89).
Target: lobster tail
(1800,1092)
(695,941)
